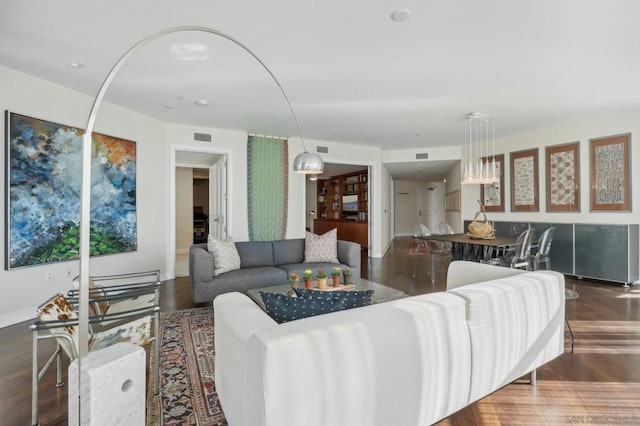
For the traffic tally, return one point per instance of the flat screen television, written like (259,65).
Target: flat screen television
(349,203)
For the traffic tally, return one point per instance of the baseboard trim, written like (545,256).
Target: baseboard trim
(17,317)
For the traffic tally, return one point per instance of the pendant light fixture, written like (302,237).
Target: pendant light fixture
(478,156)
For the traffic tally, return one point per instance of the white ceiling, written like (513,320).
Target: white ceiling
(352,73)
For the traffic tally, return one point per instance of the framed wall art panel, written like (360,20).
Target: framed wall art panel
(43,177)
(611,173)
(492,195)
(524,181)
(563,177)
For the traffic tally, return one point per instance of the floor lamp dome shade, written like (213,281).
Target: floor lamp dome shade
(308,163)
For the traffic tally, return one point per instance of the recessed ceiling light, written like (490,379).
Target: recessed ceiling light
(202,102)
(400,15)
(75,65)
(168,106)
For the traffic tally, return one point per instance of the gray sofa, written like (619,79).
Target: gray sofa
(262,264)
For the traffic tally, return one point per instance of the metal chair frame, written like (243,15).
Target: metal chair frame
(124,293)
(436,248)
(517,256)
(544,248)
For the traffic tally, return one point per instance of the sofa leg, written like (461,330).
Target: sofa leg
(532,378)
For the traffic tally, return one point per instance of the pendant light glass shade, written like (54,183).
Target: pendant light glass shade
(308,163)
(478,156)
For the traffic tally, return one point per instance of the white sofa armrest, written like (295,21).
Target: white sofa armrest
(516,325)
(236,319)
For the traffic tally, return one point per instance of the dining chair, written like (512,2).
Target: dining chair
(544,248)
(420,245)
(445,228)
(126,312)
(518,255)
(438,249)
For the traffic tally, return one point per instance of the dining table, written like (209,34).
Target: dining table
(466,247)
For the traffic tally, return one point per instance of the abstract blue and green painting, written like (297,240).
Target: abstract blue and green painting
(44,161)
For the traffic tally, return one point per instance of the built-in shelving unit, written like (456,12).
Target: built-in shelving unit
(344,197)
(343,203)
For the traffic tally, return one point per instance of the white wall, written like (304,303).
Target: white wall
(405,196)
(409,155)
(454,218)
(230,142)
(26,288)
(579,130)
(342,153)
(311,202)
(386,202)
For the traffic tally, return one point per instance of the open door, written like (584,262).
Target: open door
(218,198)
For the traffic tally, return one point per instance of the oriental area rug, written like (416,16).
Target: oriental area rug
(187,394)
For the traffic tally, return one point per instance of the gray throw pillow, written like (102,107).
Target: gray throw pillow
(225,255)
(321,248)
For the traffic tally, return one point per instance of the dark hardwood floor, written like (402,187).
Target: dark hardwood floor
(599,383)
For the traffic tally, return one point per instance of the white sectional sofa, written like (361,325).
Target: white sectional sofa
(411,361)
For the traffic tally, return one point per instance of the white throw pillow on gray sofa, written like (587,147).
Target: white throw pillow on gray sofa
(321,248)
(225,255)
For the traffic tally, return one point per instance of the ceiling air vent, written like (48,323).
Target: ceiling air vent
(322,149)
(422,156)
(202,137)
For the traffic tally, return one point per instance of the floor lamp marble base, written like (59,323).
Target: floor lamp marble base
(112,387)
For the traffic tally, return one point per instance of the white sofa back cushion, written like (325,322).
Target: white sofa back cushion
(401,362)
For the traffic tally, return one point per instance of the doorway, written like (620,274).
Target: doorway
(327,203)
(199,204)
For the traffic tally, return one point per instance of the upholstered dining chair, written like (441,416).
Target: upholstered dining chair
(125,312)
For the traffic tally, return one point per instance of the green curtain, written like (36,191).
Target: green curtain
(267,187)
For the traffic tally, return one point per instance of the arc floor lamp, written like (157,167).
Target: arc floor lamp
(306,163)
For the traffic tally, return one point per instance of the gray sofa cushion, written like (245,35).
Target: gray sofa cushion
(255,253)
(240,280)
(288,251)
